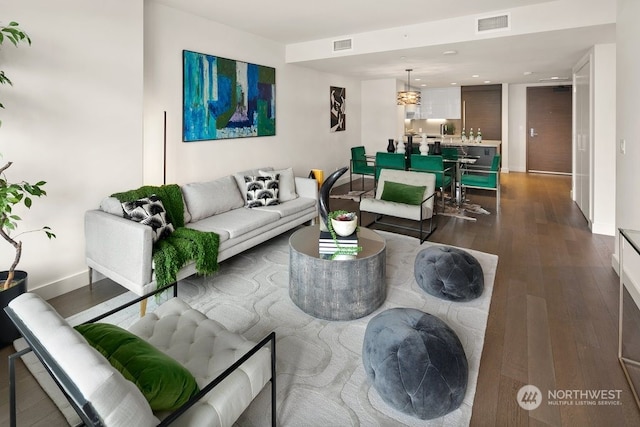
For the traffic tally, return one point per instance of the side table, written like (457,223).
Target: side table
(337,289)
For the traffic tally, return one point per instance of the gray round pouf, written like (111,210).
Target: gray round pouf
(415,362)
(449,273)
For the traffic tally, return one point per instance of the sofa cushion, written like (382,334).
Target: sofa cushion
(205,199)
(164,382)
(261,190)
(292,207)
(149,211)
(238,221)
(287,183)
(111,205)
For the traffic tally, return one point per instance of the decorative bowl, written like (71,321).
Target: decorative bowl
(344,228)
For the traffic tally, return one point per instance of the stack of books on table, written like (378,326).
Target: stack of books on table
(327,246)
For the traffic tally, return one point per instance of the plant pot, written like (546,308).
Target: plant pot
(344,228)
(8,332)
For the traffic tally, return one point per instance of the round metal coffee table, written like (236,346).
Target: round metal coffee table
(337,289)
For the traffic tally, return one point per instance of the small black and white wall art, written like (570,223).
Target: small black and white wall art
(337,99)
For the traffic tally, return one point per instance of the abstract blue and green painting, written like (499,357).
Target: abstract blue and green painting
(223,98)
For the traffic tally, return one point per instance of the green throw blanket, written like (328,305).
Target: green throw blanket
(184,244)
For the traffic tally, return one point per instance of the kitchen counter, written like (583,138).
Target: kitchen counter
(485,142)
(455,140)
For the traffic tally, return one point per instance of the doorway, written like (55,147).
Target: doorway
(549,129)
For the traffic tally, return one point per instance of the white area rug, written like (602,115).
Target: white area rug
(320,377)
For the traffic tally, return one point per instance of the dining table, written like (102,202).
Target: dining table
(459,164)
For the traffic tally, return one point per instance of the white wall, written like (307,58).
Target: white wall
(379,114)
(604,139)
(303,139)
(85,115)
(627,108)
(74,119)
(517,108)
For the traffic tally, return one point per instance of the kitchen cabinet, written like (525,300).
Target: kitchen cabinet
(482,108)
(440,103)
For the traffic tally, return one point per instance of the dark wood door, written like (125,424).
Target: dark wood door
(482,108)
(549,129)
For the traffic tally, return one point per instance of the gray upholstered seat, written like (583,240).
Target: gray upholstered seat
(449,273)
(416,362)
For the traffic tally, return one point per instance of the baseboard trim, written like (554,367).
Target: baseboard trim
(62,286)
(603,228)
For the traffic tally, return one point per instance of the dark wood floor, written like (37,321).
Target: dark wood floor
(552,322)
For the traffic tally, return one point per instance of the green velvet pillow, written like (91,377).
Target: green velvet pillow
(402,193)
(164,382)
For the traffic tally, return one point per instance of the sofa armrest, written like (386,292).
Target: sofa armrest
(119,248)
(307,187)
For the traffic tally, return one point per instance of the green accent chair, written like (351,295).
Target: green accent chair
(389,161)
(359,166)
(434,165)
(449,153)
(484,179)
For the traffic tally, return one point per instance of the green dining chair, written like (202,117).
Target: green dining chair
(389,161)
(434,165)
(359,166)
(449,153)
(484,179)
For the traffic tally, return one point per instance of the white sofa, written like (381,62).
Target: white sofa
(121,249)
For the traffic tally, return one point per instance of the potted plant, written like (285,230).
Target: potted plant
(14,282)
(343,223)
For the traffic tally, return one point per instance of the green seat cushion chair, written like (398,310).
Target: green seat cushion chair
(389,161)
(359,165)
(432,164)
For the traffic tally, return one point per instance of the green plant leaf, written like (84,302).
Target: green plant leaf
(27,202)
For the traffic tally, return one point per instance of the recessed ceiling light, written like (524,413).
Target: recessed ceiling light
(449,52)
(475,75)
(423,84)
(487,81)
(554,79)
(417,79)
(527,73)
(453,83)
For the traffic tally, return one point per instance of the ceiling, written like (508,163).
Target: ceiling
(517,59)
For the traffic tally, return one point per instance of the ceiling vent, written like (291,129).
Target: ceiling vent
(493,23)
(342,45)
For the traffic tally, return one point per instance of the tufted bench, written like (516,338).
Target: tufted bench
(449,273)
(415,362)
(229,370)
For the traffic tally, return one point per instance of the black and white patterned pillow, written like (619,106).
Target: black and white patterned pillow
(149,211)
(261,190)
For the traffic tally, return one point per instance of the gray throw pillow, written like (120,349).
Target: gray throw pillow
(287,183)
